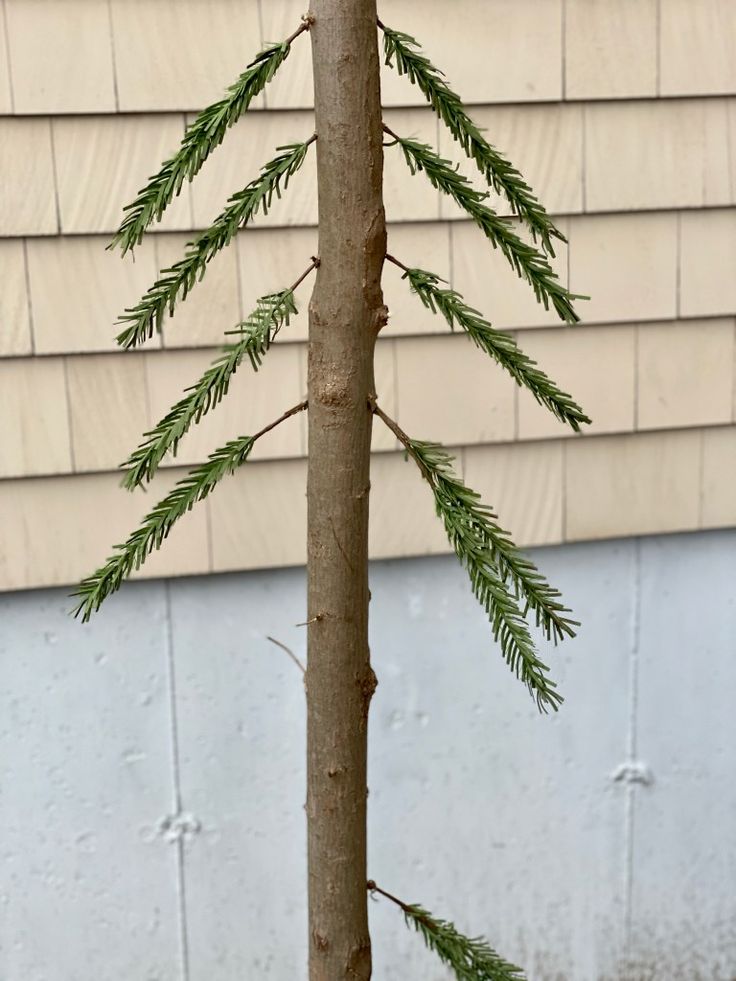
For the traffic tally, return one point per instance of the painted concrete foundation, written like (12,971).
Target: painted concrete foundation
(152,776)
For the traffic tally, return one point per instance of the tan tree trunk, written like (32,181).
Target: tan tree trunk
(346,314)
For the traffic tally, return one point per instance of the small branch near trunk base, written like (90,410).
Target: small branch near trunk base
(469,958)
(289,652)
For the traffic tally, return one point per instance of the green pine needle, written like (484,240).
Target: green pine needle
(204,135)
(496,567)
(176,282)
(500,346)
(527,262)
(469,958)
(258,332)
(403,50)
(157,524)
(500,575)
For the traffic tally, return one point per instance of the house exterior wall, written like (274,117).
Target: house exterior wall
(153,775)
(151,763)
(626,139)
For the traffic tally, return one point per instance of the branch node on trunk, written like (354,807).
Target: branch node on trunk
(381,318)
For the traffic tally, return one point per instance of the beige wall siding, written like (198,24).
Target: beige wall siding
(75,174)
(71,56)
(626,137)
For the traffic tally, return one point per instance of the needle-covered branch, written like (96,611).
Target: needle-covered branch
(527,261)
(176,282)
(500,346)
(157,524)
(201,138)
(500,575)
(469,958)
(404,53)
(257,332)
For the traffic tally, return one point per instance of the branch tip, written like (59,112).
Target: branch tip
(289,652)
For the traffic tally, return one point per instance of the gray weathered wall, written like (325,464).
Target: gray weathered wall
(151,824)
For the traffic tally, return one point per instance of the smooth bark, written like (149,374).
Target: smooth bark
(346,314)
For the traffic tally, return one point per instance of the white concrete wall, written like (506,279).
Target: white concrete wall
(151,780)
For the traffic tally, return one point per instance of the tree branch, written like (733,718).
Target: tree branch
(470,958)
(203,136)
(258,333)
(290,653)
(499,345)
(527,262)
(147,316)
(157,524)
(498,172)
(499,574)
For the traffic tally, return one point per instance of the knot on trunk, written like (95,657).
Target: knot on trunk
(333,393)
(368,684)
(380,318)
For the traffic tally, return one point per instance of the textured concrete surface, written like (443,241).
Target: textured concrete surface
(151,775)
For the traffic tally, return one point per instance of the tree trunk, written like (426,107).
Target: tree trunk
(346,314)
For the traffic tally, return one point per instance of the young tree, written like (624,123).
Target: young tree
(346,315)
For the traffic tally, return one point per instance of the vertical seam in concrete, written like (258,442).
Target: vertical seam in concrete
(632,751)
(7,55)
(177,804)
(29,299)
(113,57)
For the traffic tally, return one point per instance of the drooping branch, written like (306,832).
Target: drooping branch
(499,345)
(257,332)
(527,262)
(499,573)
(157,524)
(403,52)
(203,136)
(176,282)
(470,958)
